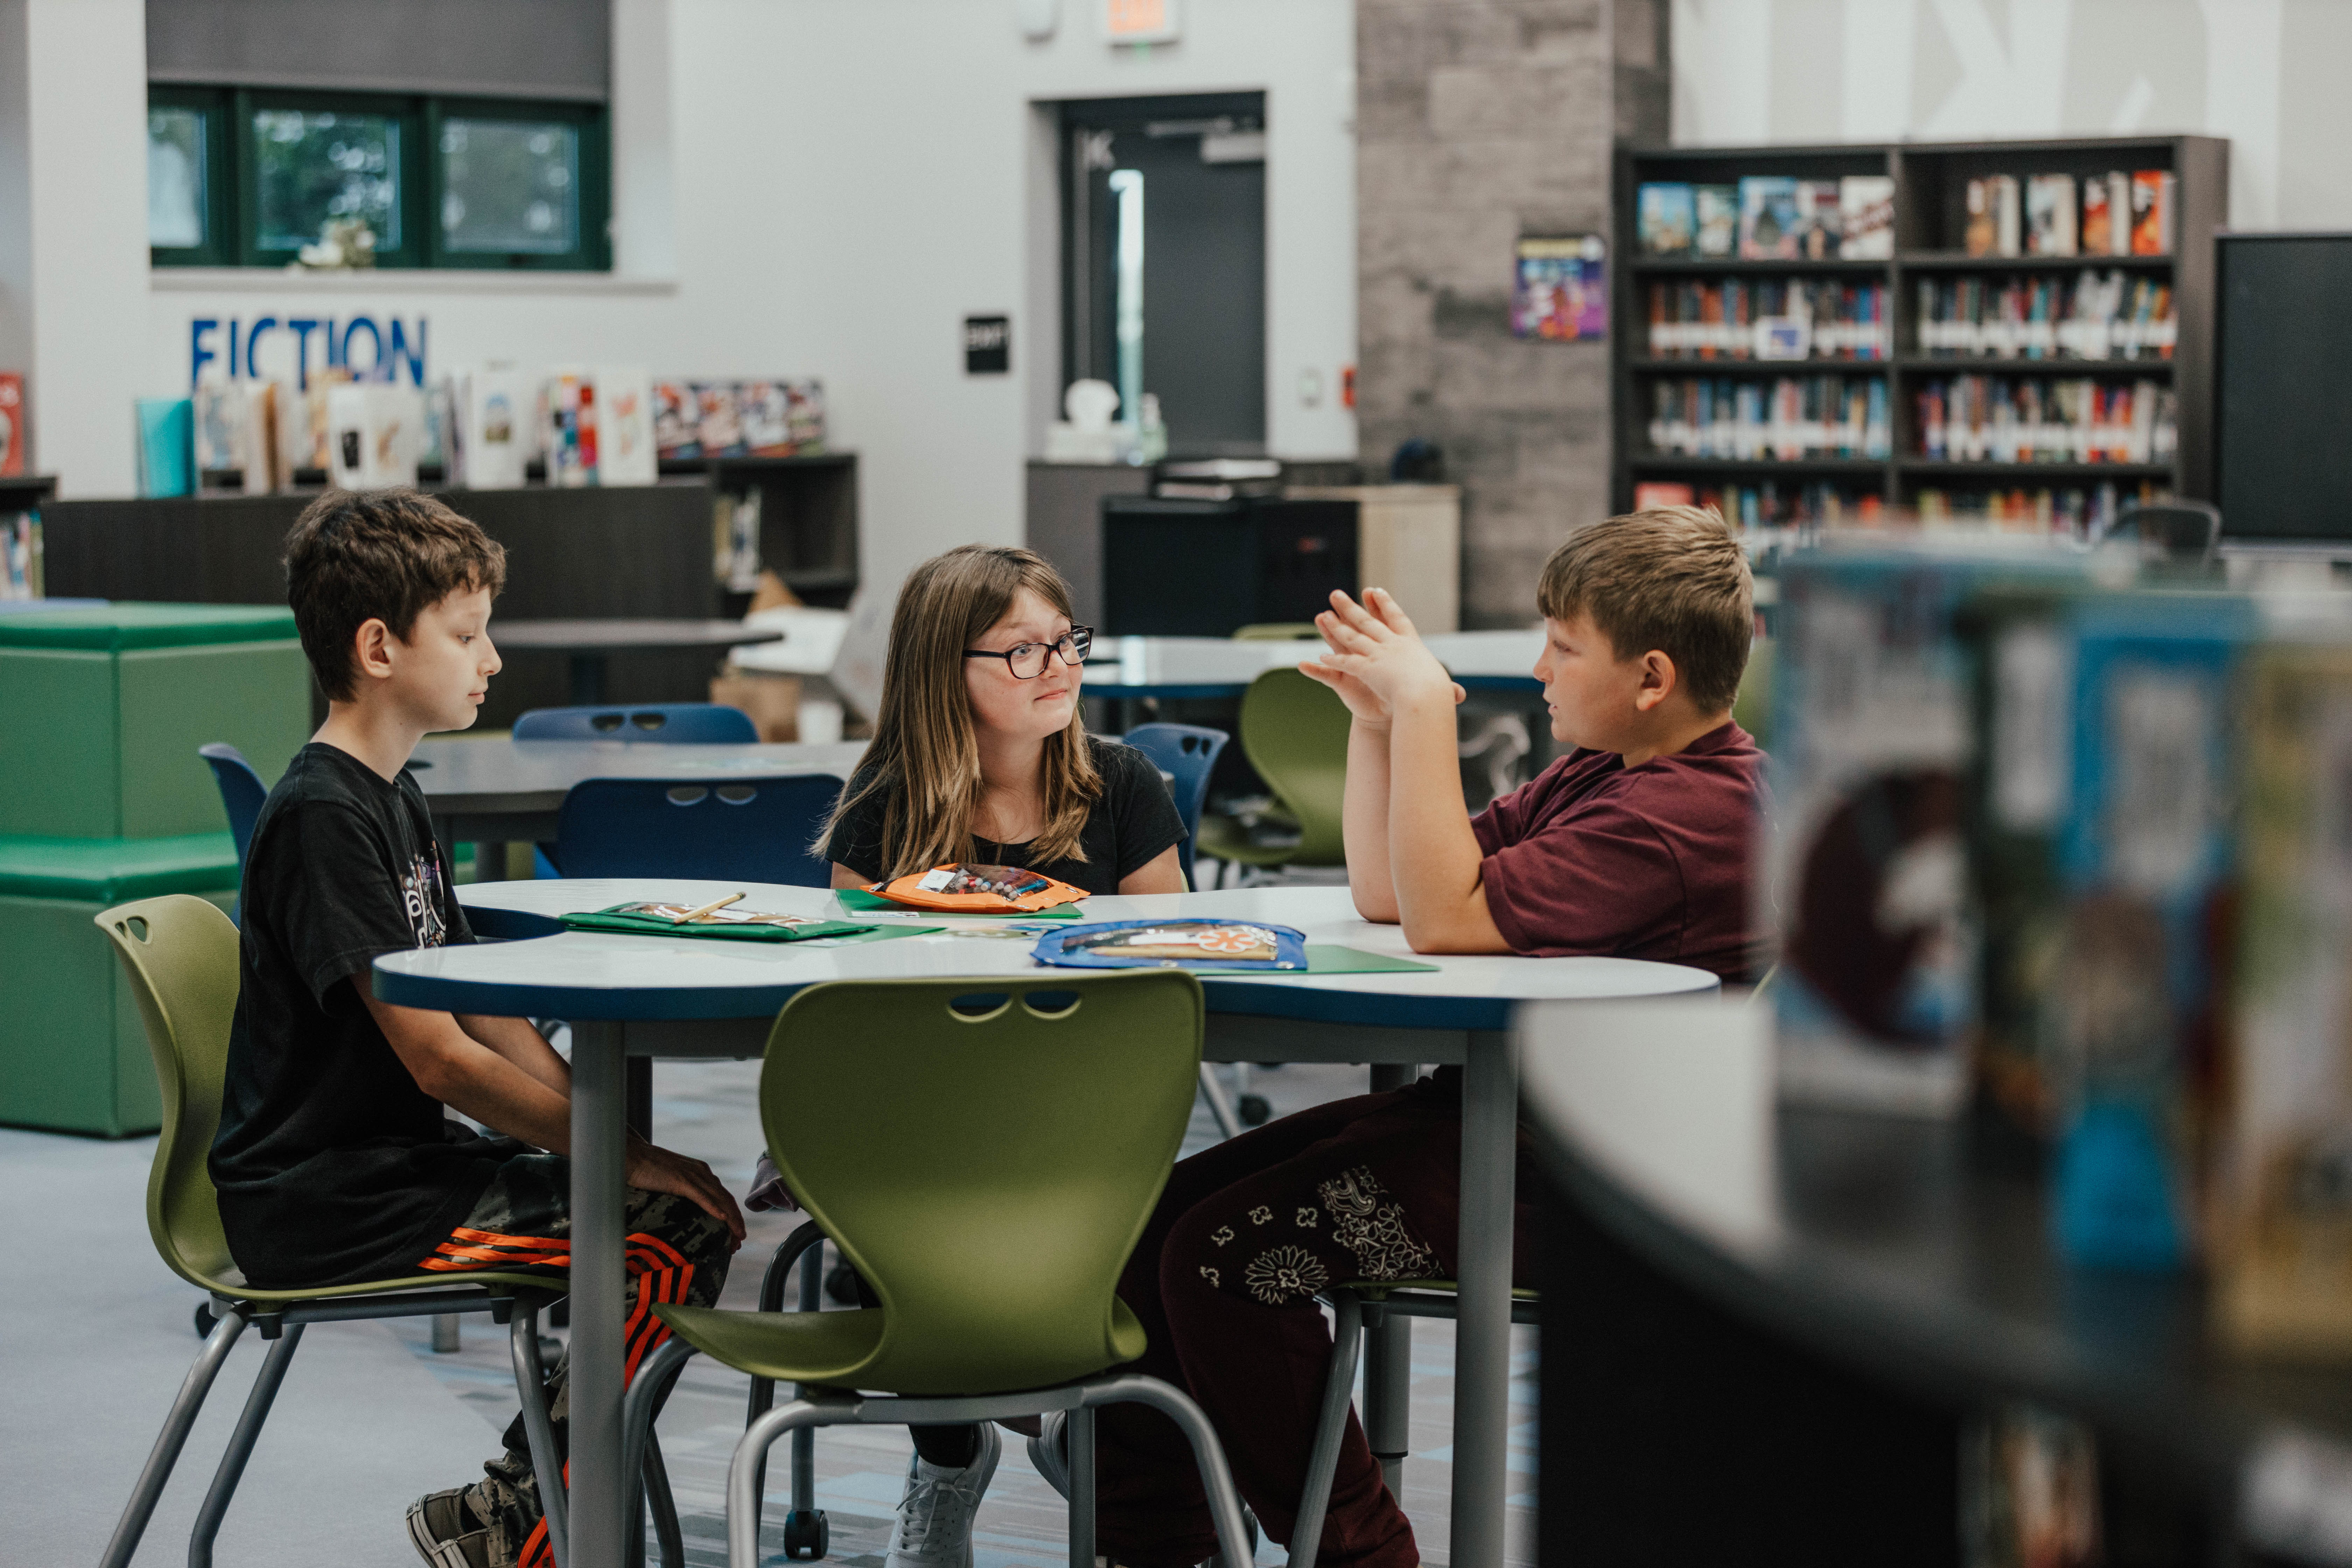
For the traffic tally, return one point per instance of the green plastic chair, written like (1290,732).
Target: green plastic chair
(180,954)
(959,1124)
(1295,734)
(1275,631)
(1752,707)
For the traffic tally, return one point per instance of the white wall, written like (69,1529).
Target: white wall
(802,187)
(2267,74)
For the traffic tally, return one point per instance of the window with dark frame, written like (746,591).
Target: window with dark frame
(246,177)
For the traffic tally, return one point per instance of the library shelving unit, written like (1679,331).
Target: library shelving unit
(1930,218)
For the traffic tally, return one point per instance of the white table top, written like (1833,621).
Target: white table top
(597,974)
(466,777)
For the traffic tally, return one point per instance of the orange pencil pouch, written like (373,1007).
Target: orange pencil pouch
(978,889)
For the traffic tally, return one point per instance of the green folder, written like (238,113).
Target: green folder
(653,925)
(858,900)
(1323,959)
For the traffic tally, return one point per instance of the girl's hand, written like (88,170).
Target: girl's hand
(1375,659)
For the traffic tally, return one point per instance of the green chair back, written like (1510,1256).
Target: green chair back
(180,954)
(1295,734)
(985,1153)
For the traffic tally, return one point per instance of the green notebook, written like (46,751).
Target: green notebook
(615,918)
(1323,959)
(858,900)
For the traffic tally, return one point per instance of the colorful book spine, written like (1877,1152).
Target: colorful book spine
(1723,319)
(1785,419)
(2038,420)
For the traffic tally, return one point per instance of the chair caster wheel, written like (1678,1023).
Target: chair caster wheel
(205,1321)
(805,1534)
(841,1284)
(1252,1109)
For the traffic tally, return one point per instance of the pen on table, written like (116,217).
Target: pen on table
(711,908)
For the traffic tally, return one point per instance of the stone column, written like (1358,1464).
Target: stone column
(1478,121)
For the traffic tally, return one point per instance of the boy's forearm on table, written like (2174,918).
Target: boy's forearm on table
(1434,860)
(1365,822)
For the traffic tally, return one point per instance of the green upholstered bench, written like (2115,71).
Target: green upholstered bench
(107,705)
(73,1056)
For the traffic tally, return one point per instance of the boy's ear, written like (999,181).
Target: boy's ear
(370,656)
(1659,679)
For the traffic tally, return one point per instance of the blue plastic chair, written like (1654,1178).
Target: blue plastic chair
(242,792)
(654,724)
(674,723)
(1189,753)
(733,830)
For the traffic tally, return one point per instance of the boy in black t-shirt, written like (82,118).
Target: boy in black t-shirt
(334,1162)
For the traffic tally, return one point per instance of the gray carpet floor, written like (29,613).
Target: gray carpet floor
(370,1417)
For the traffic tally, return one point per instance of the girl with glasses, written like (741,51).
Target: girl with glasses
(979,755)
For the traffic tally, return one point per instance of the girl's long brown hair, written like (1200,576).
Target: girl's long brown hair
(924,764)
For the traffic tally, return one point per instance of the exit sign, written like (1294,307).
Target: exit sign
(1139,21)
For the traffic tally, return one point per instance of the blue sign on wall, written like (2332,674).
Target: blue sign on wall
(356,344)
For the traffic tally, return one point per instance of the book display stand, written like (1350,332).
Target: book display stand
(2010,344)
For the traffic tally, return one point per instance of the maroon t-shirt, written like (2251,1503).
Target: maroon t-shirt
(1654,861)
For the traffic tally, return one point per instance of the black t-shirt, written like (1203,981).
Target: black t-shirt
(1129,827)
(332,1165)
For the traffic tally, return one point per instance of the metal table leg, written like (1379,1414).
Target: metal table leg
(1482,1343)
(1388,1357)
(599,1534)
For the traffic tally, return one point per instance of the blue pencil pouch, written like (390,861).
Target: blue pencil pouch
(1204,944)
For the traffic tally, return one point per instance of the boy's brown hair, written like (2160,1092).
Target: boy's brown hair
(355,556)
(1672,578)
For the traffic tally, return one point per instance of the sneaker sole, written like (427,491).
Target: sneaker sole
(437,1553)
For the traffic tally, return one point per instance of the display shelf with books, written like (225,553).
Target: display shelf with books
(2067,286)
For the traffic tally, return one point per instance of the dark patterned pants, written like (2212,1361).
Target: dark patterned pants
(522,1222)
(1223,1280)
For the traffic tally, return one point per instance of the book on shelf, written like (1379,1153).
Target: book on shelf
(1716,211)
(1866,217)
(1653,494)
(2153,196)
(1782,420)
(1994,222)
(1769,225)
(1666,220)
(21,570)
(2095,316)
(722,418)
(2283,1275)
(1999,419)
(2106,209)
(1820,222)
(12,424)
(2050,215)
(164,429)
(374,435)
(570,427)
(498,401)
(2071,511)
(1696,319)
(678,422)
(625,430)
(236,432)
(1863,863)
(436,445)
(767,419)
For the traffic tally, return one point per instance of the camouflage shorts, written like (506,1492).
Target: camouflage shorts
(523,1223)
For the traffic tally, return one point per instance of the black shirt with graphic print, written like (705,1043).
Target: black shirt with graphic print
(332,1165)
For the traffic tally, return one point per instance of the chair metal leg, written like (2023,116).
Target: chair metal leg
(1080,1435)
(1207,1454)
(1228,1122)
(665,1507)
(1330,1429)
(174,1437)
(802,1521)
(240,1445)
(530,1386)
(640,1456)
(743,1473)
(1388,1392)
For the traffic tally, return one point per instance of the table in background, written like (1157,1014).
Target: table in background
(661,998)
(1135,667)
(590,643)
(492,792)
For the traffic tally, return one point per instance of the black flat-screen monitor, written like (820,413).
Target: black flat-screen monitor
(2283,424)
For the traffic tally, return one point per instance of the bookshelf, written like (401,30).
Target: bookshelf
(1930,219)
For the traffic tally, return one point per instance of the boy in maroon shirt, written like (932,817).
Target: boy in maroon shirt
(1635,844)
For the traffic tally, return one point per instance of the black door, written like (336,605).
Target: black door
(1164,205)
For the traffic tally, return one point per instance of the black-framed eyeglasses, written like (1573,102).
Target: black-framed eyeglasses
(1027,661)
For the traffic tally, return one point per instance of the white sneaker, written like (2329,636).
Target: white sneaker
(1049,1450)
(936,1515)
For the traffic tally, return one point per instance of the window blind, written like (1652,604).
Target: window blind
(500,49)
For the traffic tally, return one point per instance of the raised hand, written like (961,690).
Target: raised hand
(1374,656)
